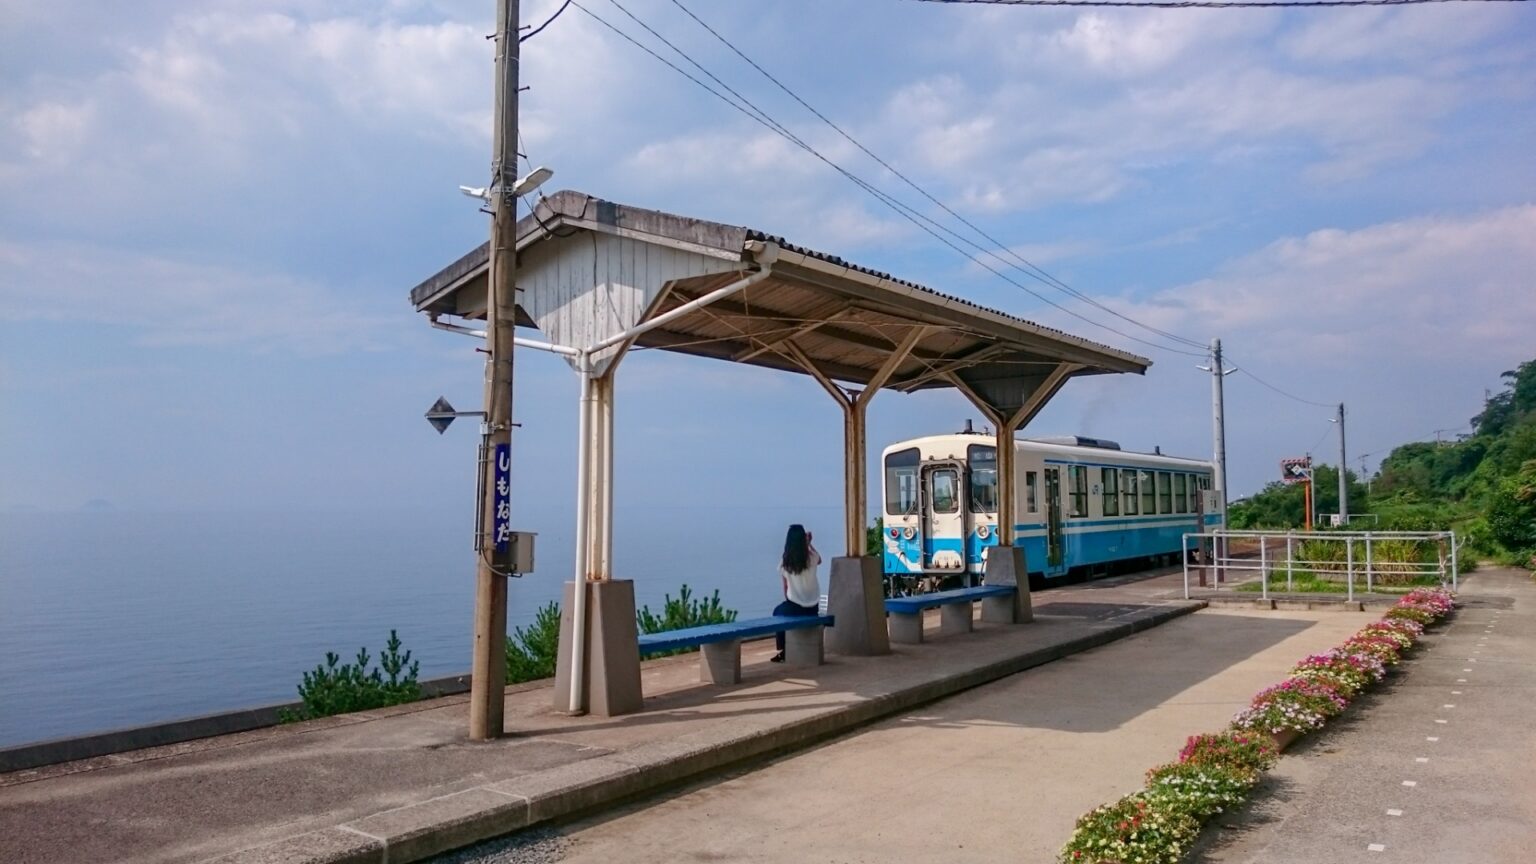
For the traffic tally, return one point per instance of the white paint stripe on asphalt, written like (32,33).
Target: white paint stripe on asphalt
(1376,847)
(1421,759)
(1394,812)
(1461,680)
(1410,782)
(1442,721)
(1448,705)
(1431,738)
(1455,692)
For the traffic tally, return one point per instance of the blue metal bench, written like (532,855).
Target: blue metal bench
(906,613)
(720,644)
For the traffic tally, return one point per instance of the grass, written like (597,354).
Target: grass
(1308,582)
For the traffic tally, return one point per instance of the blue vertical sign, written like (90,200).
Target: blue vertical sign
(503,524)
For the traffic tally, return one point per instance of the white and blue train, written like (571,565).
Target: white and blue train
(1082,505)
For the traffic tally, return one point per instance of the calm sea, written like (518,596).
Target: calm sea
(116,619)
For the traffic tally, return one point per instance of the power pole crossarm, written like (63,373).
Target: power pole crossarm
(487,696)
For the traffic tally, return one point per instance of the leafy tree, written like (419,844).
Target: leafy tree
(1512,511)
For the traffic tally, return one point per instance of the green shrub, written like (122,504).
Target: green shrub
(340,689)
(683,612)
(531,653)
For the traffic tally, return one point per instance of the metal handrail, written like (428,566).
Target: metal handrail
(1221,561)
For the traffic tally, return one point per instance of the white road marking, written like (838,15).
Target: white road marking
(1376,847)
(1455,692)
(1421,759)
(1466,670)
(1448,705)
(1461,680)
(1442,721)
(1432,738)
(1410,782)
(1394,812)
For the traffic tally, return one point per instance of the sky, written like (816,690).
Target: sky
(211,215)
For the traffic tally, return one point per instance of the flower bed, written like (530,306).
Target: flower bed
(1216,772)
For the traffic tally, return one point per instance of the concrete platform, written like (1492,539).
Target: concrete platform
(402,784)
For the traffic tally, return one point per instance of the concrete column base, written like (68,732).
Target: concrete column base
(720,662)
(612,651)
(906,629)
(1006,566)
(955,618)
(856,598)
(804,647)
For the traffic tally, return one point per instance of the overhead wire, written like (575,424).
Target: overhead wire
(1028,267)
(1244,370)
(548,21)
(915,217)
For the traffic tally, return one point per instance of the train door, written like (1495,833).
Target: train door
(944,518)
(1055,552)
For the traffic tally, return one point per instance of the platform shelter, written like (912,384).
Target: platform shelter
(596,278)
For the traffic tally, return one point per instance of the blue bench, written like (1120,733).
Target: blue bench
(720,644)
(906,613)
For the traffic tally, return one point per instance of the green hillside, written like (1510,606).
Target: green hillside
(1483,485)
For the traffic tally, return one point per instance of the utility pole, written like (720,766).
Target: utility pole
(1343,472)
(1218,426)
(487,700)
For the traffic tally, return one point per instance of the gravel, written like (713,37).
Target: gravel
(539,846)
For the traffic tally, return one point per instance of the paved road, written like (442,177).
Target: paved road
(996,774)
(1439,767)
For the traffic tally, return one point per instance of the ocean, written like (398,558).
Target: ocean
(113,619)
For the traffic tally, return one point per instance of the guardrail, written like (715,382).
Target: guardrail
(1378,558)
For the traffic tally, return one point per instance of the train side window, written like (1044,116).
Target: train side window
(1164,492)
(1079,490)
(1032,491)
(1128,484)
(1181,493)
(983,461)
(1148,493)
(901,482)
(1111,491)
(943,485)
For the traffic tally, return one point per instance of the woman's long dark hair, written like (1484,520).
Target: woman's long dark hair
(797,550)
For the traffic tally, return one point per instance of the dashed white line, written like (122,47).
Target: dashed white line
(1376,847)
(1432,738)
(1410,782)
(1394,812)
(1448,705)
(1461,680)
(1442,721)
(1421,759)
(1466,670)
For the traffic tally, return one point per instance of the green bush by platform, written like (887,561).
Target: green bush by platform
(339,688)
(531,653)
(682,612)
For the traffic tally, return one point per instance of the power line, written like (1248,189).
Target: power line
(1029,268)
(548,21)
(917,218)
(1245,371)
(1206,4)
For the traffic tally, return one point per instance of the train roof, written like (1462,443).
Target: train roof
(1051,445)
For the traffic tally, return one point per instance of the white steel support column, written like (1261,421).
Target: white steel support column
(584,424)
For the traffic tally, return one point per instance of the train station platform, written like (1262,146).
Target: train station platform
(404,783)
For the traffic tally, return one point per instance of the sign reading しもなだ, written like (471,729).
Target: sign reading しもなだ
(501,531)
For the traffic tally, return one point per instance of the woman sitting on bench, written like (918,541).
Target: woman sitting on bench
(797,572)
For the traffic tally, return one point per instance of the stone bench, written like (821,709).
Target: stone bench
(720,644)
(906,613)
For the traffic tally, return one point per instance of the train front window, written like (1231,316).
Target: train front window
(944,488)
(1111,492)
(1079,478)
(901,482)
(1128,482)
(983,478)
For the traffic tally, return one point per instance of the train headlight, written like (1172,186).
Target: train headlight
(909,532)
(983,531)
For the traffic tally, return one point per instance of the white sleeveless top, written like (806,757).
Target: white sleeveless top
(803,587)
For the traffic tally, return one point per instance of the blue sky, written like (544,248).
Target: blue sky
(211,213)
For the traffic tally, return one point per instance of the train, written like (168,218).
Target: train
(1082,506)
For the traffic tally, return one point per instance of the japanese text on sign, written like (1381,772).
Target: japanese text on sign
(503,522)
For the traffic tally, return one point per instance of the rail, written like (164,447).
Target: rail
(1321,560)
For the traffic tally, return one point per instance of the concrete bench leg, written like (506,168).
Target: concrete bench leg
(803,647)
(720,662)
(907,629)
(955,618)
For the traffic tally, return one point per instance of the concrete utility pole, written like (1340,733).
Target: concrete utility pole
(1218,428)
(1343,472)
(489,669)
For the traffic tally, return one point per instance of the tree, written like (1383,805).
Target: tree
(1512,511)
